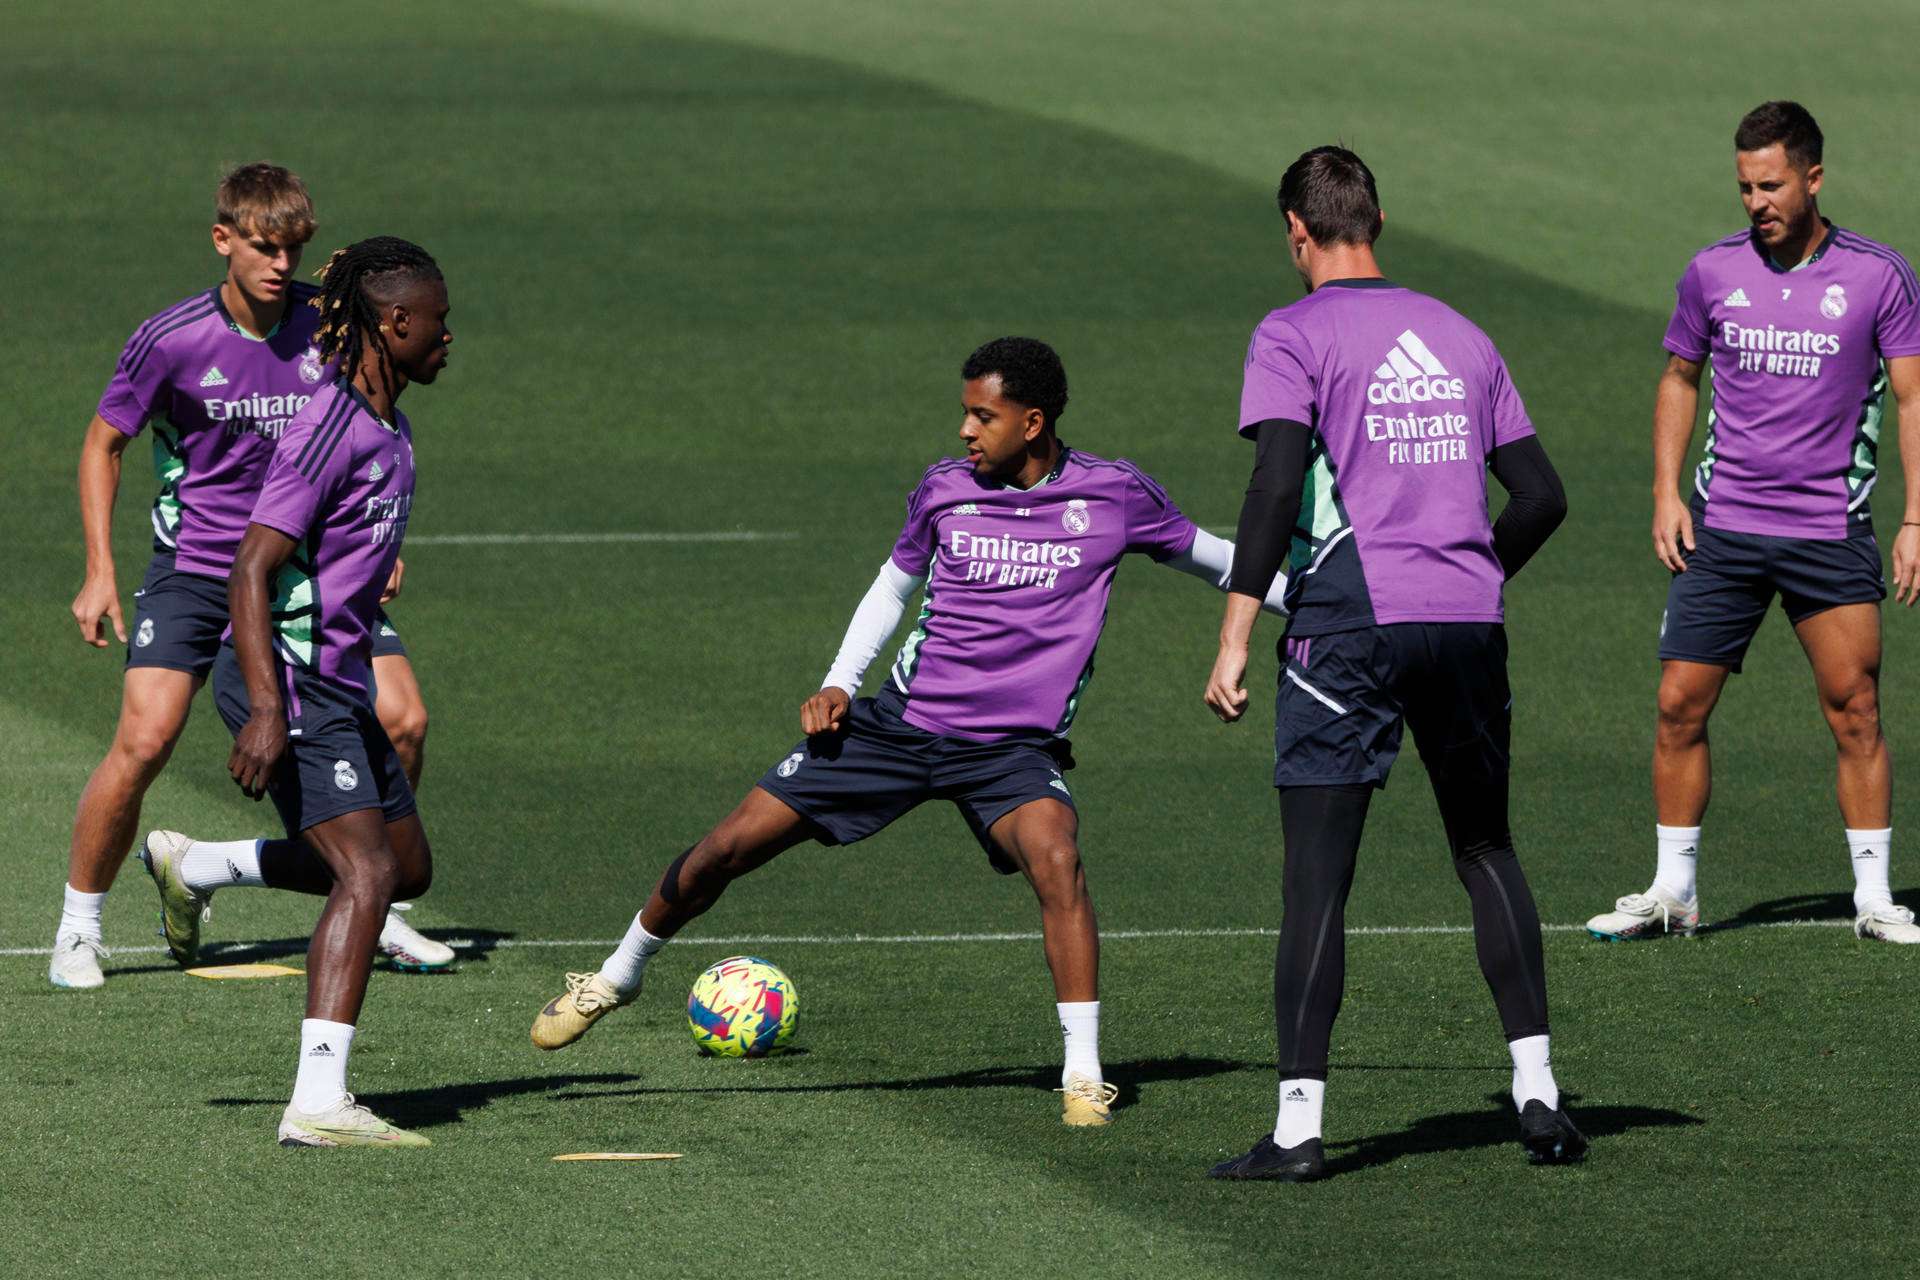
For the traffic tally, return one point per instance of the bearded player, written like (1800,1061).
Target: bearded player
(1015,545)
(1807,325)
(216,378)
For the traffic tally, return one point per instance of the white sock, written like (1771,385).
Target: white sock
(1533,1073)
(322,1080)
(1080,1029)
(1679,857)
(219,864)
(1300,1105)
(1871,851)
(626,966)
(81,913)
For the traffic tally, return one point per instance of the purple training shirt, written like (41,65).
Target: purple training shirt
(1406,398)
(1793,429)
(217,399)
(1017,584)
(341,485)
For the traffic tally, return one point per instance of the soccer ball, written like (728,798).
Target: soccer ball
(742,1007)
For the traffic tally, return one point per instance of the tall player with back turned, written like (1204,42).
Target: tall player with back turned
(1807,325)
(1376,414)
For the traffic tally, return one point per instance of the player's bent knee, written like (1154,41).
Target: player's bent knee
(143,746)
(1856,719)
(1056,871)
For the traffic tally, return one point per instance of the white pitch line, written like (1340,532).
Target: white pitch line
(569,539)
(910,939)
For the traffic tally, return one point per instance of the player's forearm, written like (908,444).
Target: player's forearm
(1236,621)
(1271,507)
(1910,454)
(99,478)
(249,600)
(879,612)
(1675,405)
(1536,502)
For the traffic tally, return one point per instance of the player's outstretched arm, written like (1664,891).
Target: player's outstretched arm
(873,621)
(1903,376)
(99,595)
(1536,501)
(258,746)
(1675,402)
(1211,559)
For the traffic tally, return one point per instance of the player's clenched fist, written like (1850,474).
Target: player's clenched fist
(1224,692)
(823,712)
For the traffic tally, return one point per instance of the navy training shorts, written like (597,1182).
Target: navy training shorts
(178,619)
(1345,698)
(851,784)
(1716,606)
(338,758)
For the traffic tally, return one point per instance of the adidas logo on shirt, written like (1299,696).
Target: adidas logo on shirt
(1411,374)
(374,474)
(213,378)
(1738,298)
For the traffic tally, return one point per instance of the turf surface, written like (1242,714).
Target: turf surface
(714,269)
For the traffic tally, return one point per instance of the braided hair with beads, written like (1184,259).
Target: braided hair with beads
(349,315)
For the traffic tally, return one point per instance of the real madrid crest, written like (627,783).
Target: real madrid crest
(310,366)
(1075,518)
(1834,305)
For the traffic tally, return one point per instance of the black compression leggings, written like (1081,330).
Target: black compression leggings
(1321,826)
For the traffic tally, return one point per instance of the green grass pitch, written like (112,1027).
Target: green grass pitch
(714,268)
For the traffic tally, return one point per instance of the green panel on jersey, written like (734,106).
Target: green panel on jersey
(1322,515)
(1703,473)
(1073,699)
(296,606)
(169,468)
(909,659)
(1866,442)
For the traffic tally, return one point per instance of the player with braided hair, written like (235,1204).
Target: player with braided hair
(292,680)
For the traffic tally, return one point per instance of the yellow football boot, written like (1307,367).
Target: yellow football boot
(567,1016)
(1086,1102)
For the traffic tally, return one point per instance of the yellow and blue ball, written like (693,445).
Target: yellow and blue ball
(742,1007)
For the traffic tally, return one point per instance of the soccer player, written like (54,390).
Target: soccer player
(292,681)
(1376,413)
(217,377)
(1807,325)
(1016,545)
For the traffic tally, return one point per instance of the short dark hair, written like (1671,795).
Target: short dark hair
(1786,123)
(1331,191)
(1030,373)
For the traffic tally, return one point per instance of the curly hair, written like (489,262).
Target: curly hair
(1030,373)
(349,316)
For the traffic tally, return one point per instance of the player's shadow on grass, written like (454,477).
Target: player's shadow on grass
(1804,907)
(1498,1127)
(429,1108)
(470,945)
(1128,1076)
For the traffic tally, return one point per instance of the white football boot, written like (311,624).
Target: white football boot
(345,1124)
(1653,914)
(1887,923)
(407,947)
(76,962)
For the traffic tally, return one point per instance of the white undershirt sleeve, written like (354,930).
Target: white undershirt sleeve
(1211,559)
(879,613)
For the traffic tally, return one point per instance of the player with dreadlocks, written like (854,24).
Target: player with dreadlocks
(212,382)
(292,680)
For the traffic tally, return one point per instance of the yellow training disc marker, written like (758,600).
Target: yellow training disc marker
(246,971)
